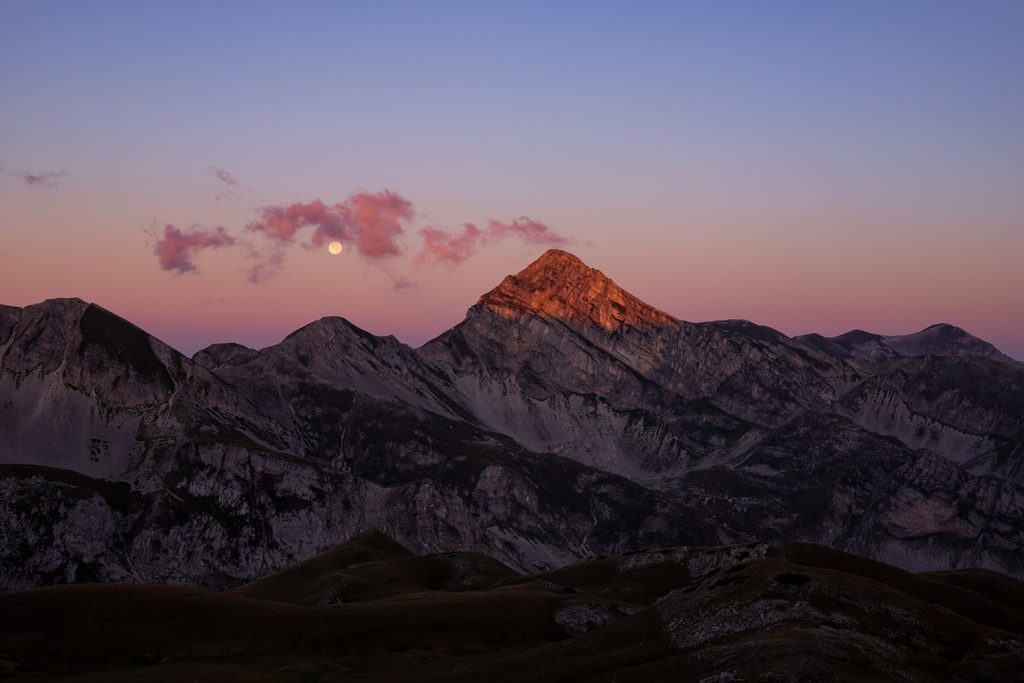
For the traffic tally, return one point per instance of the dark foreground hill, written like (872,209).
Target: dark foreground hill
(370,610)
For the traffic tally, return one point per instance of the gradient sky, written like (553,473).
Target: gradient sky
(813,166)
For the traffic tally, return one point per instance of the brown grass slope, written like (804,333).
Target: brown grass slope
(761,610)
(372,566)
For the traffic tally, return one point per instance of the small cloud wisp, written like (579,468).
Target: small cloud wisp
(48,179)
(441,246)
(528,230)
(223,176)
(230,183)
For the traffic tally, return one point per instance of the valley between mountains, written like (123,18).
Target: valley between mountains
(563,419)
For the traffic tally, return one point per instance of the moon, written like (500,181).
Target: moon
(335,248)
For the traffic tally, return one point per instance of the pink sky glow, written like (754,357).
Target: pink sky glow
(815,168)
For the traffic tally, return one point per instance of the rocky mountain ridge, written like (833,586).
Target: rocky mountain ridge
(563,418)
(937,339)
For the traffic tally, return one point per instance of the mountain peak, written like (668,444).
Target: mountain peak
(560,285)
(553,258)
(940,338)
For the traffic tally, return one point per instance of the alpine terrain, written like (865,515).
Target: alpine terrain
(563,419)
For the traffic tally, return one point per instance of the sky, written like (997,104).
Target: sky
(811,166)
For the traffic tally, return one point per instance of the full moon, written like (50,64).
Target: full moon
(335,248)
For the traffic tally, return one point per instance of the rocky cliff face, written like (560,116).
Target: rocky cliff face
(563,418)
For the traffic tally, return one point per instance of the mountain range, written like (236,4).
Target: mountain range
(563,419)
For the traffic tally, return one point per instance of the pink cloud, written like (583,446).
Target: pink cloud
(440,246)
(371,221)
(375,219)
(177,247)
(48,179)
(444,247)
(281,223)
